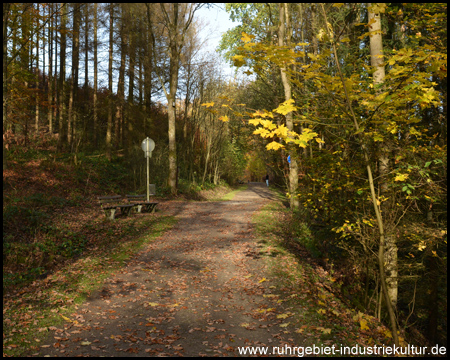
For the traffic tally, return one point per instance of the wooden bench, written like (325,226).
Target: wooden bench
(141,204)
(110,204)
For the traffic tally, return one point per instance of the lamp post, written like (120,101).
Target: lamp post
(147,146)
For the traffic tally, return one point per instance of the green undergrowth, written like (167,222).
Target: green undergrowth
(308,291)
(30,309)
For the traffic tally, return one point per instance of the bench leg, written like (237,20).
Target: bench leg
(139,208)
(126,211)
(150,208)
(110,213)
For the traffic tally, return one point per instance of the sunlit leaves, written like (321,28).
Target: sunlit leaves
(238,60)
(286,107)
(246,37)
(401,177)
(274,146)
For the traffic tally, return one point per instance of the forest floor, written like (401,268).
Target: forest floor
(215,283)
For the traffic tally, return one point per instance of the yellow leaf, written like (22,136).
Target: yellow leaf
(262,280)
(338,5)
(326,331)
(363,324)
(224,118)
(65,318)
(321,311)
(283,316)
(321,303)
(268,124)
(286,107)
(254,122)
(274,146)
(284,325)
(152,304)
(282,131)
(262,132)
(208,104)
(246,37)
(401,177)
(238,60)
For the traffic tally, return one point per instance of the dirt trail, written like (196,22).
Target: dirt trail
(196,290)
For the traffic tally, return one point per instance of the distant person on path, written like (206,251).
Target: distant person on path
(267,179)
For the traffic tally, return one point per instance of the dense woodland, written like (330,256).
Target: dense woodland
(355,94)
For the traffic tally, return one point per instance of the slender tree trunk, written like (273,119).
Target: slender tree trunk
(6,11)
(109,125)
(50,73)
(121,82)
(74,81)
(131,76)
(377,60)
(94,100)
(173,83)
(62,140)
(36,116)
(293,171)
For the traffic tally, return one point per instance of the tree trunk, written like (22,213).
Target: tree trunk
(121,83)
(94,100)
(62,140)
(293,170)
(50,73)
(71,122)
(109,125)
(6,10)
(377,60)
(36,115)
(171,99)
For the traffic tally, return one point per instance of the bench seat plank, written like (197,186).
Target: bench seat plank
(110,204)
(141,204)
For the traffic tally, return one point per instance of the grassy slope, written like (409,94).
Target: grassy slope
(311,293)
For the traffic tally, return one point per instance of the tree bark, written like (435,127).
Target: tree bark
(109,125)
(293,170)
(62,125)
(377,60)
(94,100)
(6,11)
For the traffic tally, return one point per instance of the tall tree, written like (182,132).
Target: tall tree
(62,123)
(283,26)
(109,125)
(71,116)
(377,62)
(94,100)
(176,18)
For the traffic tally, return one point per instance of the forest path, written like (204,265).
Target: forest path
(199,289)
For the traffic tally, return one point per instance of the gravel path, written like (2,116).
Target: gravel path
(201,289)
